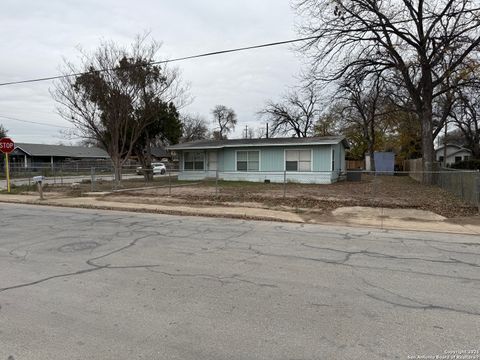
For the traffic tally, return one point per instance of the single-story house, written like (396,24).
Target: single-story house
(455,154)
(319,160)
(159,153)
(31,155)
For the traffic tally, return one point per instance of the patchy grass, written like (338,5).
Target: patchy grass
(19,189)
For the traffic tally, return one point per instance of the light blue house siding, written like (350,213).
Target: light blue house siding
(324,165)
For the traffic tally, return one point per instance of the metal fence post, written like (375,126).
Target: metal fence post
(477,191)
(92,171)
(216,184)
(284,184)
(169,182)
(462,185)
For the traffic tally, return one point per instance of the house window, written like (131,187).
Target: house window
(466,158)
(298,160)
(441,159)
(333,159)
(194,161)
(458,159)
(248,160)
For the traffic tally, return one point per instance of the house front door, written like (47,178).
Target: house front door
(212,162)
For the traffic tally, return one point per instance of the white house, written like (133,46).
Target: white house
(455,154)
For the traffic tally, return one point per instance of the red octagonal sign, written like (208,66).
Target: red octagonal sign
(6,145)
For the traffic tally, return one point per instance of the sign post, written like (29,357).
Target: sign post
(6,147)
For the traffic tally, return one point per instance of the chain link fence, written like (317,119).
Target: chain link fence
(276,189)
(465,184)
(98,176)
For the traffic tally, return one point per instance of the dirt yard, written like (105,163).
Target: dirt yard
(380,191)
(384,191)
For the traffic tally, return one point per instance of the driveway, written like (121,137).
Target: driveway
(84,284)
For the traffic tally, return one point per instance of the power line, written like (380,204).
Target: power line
(32,122)
(213,53)
(277,43)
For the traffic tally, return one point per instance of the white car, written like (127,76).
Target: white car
(159,168)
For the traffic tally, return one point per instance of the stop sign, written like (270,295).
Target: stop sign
(6,145)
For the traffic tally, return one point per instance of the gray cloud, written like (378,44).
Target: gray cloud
(36,35)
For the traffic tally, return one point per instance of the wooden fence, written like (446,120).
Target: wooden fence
(355,164)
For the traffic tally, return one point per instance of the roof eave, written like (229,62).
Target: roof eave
(175,147)
(26,152)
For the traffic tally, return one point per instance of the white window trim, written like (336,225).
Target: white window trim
(297,149)
(259,161)
(195,170)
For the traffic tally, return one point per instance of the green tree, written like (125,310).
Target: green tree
(165,128)
(3,131)
(120,98)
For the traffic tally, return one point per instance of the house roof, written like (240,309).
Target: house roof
(460,148)
(160,152)
(62,151)
(219,144)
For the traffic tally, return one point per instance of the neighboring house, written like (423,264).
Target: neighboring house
(30,155)
(319,160)
(159,153)
(455,154)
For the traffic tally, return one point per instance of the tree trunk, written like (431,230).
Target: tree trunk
(371,145)
(147,163)
(427,143)
(425,111)
(117,167)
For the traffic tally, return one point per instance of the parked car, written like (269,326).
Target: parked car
(158,169)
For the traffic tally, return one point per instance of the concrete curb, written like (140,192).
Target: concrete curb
(367,221)
(227,212)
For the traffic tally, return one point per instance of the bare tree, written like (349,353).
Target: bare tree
(261,132)
(466,117)
(109,103)
(364,109)
(423,43)
(296,114)
(225,120)
(194,127)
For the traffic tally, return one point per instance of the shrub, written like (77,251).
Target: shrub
(472,164)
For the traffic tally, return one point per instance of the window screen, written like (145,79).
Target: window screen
(298,160)
(193,161)
(248,160)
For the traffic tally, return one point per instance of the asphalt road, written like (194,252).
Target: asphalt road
(85,284)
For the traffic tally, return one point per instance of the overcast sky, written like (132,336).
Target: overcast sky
(36,35)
